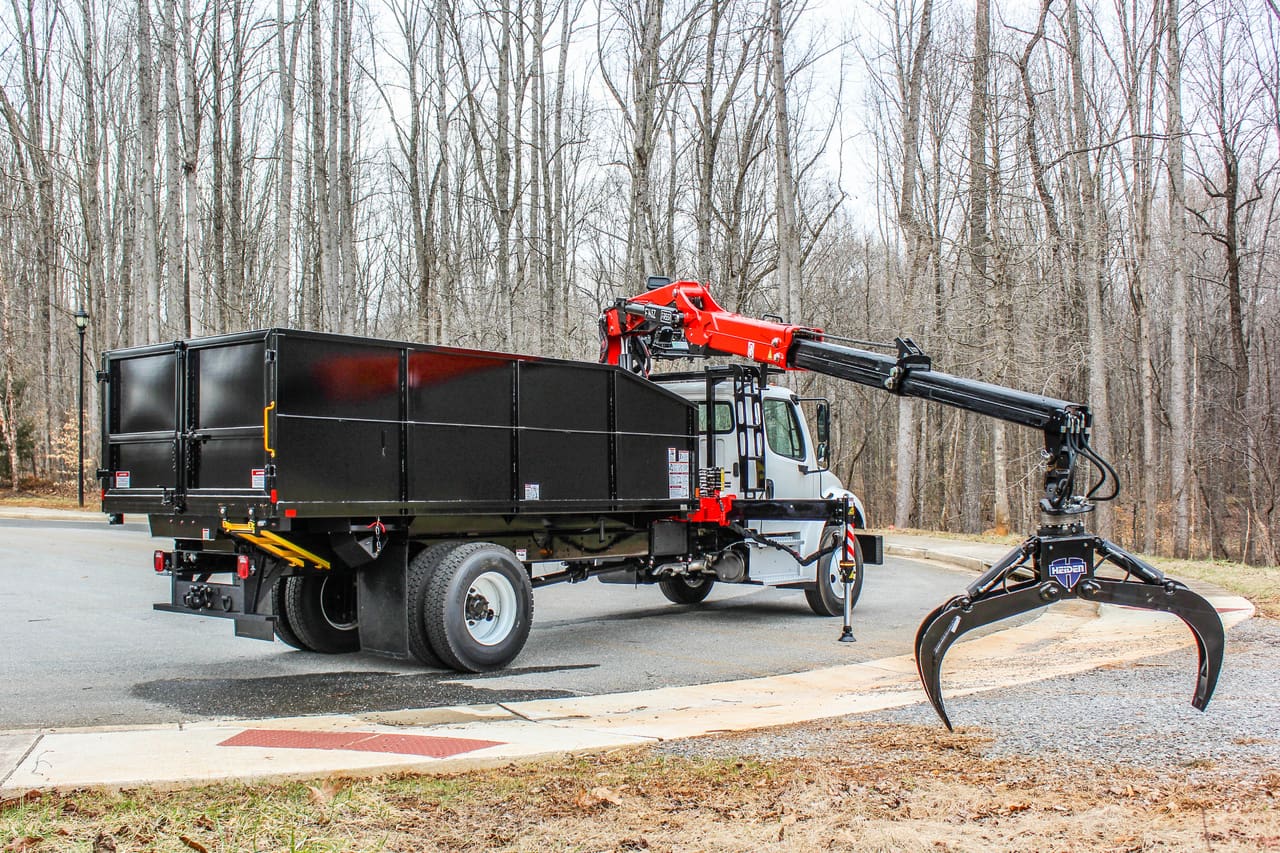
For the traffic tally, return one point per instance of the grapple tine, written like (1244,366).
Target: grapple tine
(1197,613)
(941,628)
(932,685)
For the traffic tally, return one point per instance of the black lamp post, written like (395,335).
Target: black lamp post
(82,322)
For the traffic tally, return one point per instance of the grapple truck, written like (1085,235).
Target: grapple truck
(345,494)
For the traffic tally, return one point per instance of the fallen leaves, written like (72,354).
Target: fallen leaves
(22,844)
(22,800)
(596,797)
(193,844)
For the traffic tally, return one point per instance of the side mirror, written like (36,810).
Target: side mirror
(818,413)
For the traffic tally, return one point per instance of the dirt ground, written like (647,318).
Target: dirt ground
(887,787)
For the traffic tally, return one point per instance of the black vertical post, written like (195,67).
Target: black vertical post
(82,322)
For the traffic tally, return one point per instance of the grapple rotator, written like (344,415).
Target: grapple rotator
(1062,561)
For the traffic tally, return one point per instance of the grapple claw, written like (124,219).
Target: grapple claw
(941,628)
(1064,561)
(1198,615)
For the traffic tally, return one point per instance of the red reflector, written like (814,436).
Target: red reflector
(159,560)
(244,566)
(290,513)
(274,497)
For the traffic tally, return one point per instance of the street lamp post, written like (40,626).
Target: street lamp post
(82,322)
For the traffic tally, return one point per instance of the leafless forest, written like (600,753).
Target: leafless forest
(1078,199)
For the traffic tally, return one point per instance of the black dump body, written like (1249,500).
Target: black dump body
(284,423)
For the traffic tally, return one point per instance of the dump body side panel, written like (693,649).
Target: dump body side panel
(284,423)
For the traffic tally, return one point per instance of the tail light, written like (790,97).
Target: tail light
(162,561)
(244,566)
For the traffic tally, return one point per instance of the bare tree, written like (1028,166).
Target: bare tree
(918,248)
(1179,445)
(288,35)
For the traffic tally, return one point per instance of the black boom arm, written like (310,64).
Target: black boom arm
(1065,425)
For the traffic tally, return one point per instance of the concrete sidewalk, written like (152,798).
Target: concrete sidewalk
(1066,639)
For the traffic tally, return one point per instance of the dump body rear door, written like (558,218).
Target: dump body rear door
(185,423)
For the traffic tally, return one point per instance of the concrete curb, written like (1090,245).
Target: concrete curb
(960,561)
(37,513)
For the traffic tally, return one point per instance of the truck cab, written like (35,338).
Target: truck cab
(757,434)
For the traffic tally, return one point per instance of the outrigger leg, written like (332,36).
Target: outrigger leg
(1062,562)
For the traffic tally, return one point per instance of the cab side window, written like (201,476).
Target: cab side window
(724,417)
(782,429)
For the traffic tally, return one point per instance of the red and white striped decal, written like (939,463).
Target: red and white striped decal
(850,540)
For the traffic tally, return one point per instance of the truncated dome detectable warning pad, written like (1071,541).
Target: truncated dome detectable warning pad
(424,745)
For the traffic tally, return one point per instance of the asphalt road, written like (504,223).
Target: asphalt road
(81,646)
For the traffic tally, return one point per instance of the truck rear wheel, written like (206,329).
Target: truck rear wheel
(284,629)
(827,596)
(421,568)
(478,607)
(684,589)
(321,610)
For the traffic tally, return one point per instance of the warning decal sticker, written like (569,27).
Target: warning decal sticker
(677,473)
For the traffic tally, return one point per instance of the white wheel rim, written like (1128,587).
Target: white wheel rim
(490,608)
(833,576)
(327,605)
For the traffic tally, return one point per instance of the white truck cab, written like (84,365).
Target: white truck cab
(767,449)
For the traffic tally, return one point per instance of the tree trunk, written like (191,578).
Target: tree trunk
(1179,440)
(979,248)
(1088,249)
(917,252)
(174,309)
(788,238)
(147,143)
(194,286)
(286,67)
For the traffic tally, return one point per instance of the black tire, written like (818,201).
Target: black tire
(421,568)
(478,607)
(284,629)
(683,589)
(827,596)
(321,610)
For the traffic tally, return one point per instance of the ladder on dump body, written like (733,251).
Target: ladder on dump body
(749,427)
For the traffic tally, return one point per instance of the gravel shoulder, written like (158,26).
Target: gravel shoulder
(1136,715)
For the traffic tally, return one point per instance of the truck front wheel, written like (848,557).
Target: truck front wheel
(321,611)
(827,596)
(478,607)
(686,589)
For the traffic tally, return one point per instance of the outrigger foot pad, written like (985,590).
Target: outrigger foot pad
(1060,563)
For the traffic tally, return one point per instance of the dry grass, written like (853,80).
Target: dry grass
(884,787)
(47,495)
(1259,584)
